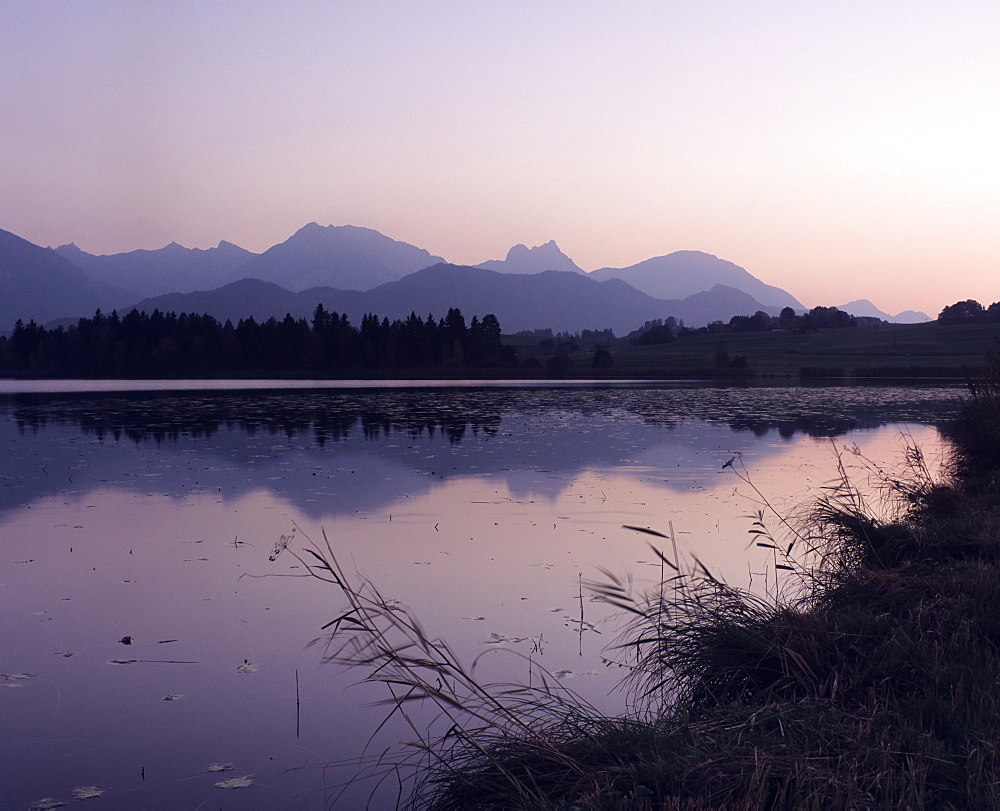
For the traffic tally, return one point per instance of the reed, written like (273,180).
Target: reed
(867,680)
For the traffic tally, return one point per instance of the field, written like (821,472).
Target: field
(910,350)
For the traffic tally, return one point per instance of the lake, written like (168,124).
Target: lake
(153,648)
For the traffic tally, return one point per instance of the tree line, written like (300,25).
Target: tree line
(190,345)
(661,331)
(970,311)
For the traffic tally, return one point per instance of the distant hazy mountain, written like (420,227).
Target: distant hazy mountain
(37,283)
(683,273)
(718,304)
(521,259)
(911,317)
(174,267)
(341,256)
(863,307)
(559,300)
(358,270)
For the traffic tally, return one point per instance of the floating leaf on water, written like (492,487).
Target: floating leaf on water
(500,639)
(172,697)
(475,619)
(220,767)
(122,661)
(66,653)
(45,803)
(87,792)
(563,674)
(247,667)
(237,782)
(18,676)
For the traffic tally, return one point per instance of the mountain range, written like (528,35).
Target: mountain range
(357,270)
(559,300)
(38,283)
(863,307)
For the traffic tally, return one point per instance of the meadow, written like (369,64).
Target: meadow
(868,353)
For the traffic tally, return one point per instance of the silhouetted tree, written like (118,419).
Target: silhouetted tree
(968,310)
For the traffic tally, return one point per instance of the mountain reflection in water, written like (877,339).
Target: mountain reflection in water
(153,516)
(358,444)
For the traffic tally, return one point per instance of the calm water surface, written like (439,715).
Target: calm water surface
(152,515)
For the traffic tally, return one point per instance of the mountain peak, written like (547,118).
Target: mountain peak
(522,259)
(544,252)
(346,257)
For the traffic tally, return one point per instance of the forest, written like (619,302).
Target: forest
(142,345)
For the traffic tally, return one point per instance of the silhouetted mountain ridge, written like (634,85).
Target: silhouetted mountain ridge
(683,273)
(37,283)
(559,300)
(358,270)
(171,268)
(343,256)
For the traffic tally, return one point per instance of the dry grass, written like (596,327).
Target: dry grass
(870,681)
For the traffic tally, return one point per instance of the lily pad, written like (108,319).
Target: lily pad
(237,782)
(87,792)
(45,803)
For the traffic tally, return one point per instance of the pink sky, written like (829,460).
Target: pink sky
(841,150)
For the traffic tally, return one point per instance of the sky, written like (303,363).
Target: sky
(838,150)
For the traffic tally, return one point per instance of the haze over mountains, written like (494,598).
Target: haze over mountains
(356,270)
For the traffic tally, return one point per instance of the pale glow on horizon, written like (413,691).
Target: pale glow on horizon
(838,152)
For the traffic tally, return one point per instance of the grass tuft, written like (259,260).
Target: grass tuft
(868,681)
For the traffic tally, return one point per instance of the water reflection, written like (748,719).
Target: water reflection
(154,516)
(368,447)
(332,416)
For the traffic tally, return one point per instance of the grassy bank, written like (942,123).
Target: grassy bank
(869,681)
